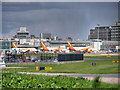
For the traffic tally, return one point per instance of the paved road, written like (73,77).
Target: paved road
(76,75)
(109,78)
(11,67)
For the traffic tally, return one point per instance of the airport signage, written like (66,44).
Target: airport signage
(43,68)
(115,61)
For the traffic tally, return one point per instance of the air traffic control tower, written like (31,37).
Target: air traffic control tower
(22,33)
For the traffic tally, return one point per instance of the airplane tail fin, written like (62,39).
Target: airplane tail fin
(2,53)
(14,46)
(43,46)
(70,46)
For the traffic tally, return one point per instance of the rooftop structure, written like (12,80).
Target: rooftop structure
(22,33)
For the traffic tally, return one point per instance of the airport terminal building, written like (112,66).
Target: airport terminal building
(106,33)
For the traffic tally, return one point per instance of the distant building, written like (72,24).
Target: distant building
(106,33)
(5,45)
(32,36)
(100,32)
(69,38)
(55,38)
(29,41)
(22,33)
(56,43)
(115,32)
(45,35)
(96,43)
(109,45)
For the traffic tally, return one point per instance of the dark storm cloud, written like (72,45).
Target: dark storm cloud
(23,6)
(0,19)
(34,6)
(63,19)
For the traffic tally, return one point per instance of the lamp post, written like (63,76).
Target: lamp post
(10,42)
(110,28)
(98,30)
(106,33)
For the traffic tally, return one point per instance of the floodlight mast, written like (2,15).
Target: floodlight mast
(98,31)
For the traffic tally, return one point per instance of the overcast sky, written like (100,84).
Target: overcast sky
(74,19)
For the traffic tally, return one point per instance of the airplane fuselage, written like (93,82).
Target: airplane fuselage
(24,49)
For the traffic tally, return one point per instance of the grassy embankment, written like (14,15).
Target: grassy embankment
(85,67)
(13,80)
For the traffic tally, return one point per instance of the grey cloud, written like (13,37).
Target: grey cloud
(54,21)
(63,19)
(24,6)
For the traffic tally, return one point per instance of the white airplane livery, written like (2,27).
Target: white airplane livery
(81,49)
(22,49)
(50,48)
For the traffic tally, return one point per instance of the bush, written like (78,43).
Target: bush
(96,82)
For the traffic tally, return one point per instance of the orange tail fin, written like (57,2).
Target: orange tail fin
(70,46)
(0,53)
(14,46)
(43,46)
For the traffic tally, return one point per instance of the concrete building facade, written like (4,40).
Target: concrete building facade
(106,33)
(115,32)
(100,32)
(45,35)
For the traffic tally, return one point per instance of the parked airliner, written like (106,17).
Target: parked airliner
(22,49)
(50,48)
(81,49)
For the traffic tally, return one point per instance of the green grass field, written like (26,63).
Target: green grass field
(100,57)
(85,67)
(14,80)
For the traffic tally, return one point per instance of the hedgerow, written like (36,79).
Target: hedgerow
(14,80)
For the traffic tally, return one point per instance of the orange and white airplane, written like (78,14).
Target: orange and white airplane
(50,48)
(81,49)
(22,49)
